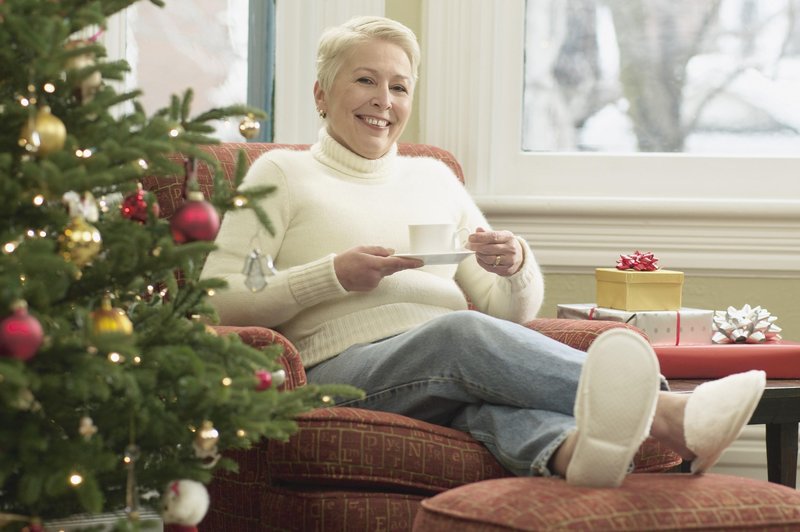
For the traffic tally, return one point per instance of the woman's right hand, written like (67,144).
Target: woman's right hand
(361,268)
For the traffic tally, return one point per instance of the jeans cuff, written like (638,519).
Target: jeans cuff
(539,466)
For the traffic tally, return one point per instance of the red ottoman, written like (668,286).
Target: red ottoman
(645,501)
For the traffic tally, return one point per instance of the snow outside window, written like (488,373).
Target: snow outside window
(198,44)
(609,148)
(677,76)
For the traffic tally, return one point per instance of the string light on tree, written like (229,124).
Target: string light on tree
(175,130)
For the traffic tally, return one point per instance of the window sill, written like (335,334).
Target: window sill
(708,237)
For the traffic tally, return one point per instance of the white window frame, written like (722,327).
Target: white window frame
(729,215)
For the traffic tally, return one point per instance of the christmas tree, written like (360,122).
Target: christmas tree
(112,382)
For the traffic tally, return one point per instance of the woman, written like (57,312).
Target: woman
(402,333)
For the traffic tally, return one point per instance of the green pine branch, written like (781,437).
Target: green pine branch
(152,387)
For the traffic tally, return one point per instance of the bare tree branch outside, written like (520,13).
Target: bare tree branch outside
(678,76)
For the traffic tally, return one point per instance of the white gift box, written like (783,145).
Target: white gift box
(687,326)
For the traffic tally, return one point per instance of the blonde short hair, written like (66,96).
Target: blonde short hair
(337,40)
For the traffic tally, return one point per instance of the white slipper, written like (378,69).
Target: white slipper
(614,407)
(716,413)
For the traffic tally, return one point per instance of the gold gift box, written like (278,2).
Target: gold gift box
(634,290)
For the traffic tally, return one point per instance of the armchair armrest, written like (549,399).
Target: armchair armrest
(577,333)
(261,337)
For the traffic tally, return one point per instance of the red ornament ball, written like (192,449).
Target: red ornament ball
(195,220)
(264,378)
(20,334)
(135,207)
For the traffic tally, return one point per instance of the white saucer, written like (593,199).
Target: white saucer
(447,257)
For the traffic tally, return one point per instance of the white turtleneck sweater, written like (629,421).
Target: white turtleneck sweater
(329,200)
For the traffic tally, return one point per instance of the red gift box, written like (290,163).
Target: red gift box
(781,360)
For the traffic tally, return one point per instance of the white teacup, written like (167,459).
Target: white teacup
(436,238)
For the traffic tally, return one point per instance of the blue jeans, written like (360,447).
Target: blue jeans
(511,388)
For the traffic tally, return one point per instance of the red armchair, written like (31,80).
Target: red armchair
(349,468)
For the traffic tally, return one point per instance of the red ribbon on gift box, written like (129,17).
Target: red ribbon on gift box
(641,262)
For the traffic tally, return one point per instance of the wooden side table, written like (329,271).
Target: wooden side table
(779,410)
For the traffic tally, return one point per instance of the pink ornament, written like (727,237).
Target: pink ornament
(264,379)
(195,220)
(20,334)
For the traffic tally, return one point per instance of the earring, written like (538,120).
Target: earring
(322,114)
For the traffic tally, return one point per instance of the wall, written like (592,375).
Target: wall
(409,12)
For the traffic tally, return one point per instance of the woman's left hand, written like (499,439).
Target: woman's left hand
(496,251)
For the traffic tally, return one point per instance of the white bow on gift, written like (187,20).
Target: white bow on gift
(746,325)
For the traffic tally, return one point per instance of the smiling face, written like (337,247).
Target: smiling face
(369,102)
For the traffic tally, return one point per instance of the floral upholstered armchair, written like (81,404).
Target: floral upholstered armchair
(349,468)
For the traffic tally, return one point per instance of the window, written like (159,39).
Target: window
(711,212)
(692,76)
(205,45)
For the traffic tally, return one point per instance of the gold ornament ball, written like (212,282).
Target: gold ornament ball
(207,436)
(249,127)
(43,134)
(80,242)
(107,319)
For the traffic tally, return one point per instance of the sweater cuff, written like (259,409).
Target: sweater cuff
(314,282)
(527,273)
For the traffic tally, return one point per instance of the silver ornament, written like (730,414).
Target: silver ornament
(257,267)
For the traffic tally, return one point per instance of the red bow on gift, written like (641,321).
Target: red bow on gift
(641,262)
